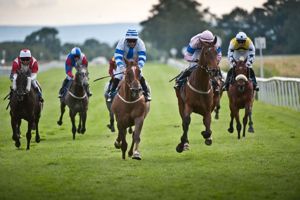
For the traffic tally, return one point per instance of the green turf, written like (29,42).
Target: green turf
(264,165)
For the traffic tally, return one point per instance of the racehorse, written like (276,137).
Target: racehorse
(217,83)
(197,96)
(241,95)
(77,100)
(130,109)
(24,104)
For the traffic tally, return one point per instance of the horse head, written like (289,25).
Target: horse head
(208,59)
(23,83)
(241,72)
(132,77)
(81,76)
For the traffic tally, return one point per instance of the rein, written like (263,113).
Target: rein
(76,97)
(129,102)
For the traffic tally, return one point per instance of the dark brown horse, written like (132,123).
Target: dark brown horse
(197,96)
(24,104)
(241,95)
(217,83)
(130,109)
(77,100)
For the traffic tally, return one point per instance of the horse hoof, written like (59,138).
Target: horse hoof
(208,142)
(179,148)
(130,153)
(117,144)
(186,147)
(205,134)
(136,156)
(130,130)
(82,130)
(251,130)
(113,129)
(216,117)
(17,144)
(37,139)
(59,123)
(230,130)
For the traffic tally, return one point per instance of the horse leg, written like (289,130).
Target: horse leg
(138,124)
(238,123)
(207,133)
(230,129)
(130,152)
(83,118)
(245,120)
(251,129)
(79,124)
(217,111)
(112,122)
(123,143)
(62,111)
(37,134)
(16,130)
(186,120)
(28,134)
(72,116)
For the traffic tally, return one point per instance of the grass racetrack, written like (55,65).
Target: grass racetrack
(264,165)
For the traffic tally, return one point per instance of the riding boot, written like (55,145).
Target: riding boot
(228,79)
(111,91)
(87,89)
(63,88)
(253,78)
(39,92)
(181,78)
(145,89)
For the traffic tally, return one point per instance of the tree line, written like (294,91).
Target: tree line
(171,25)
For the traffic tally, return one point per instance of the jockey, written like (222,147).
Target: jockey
(74,59)
(193,52)
(239,46)
(25,61)
(130,46)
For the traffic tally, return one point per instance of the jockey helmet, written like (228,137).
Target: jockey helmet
(76,52)
(25,53)
(207,36)
(241,36)
(131,34)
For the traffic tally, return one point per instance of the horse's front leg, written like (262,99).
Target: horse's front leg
(138,124)
(72,116)
(245,119)
(62,111)
(121,140)
(28,134)
(37,134)
(250,129)
(231,129)
(112,122)
(207,133)
(83,118)
(79,123)
(16,131)
(238,123)
(186,120)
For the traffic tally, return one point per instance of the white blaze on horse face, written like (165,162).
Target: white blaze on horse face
(28,84)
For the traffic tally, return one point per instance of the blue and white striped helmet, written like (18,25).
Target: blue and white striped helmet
(76,51)
(131,34)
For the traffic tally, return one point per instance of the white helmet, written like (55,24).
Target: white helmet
(131,34)
(241,36)
(25,53)
(207,36)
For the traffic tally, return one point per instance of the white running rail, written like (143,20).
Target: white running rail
(280,91)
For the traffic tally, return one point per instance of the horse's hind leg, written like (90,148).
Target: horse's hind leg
(186,120)
(83,118)
(230,129)
(124,144)
(217,111)
(37,134)
(79,124)
(136,138)
(238,123)
(112,122)
(130,152)
(250,129)
(245,120)
(28,134)
(72,116)
(62,111)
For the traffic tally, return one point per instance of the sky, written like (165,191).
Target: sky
(75,12)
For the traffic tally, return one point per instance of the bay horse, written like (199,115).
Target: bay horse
(217,83)
(77,100)
(130,109)
(241,96)
(24,104)
(197,96)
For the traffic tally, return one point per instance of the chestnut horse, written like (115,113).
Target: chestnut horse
(241,95)
(130,109)
(24,104)
(197,96)
(77,100)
